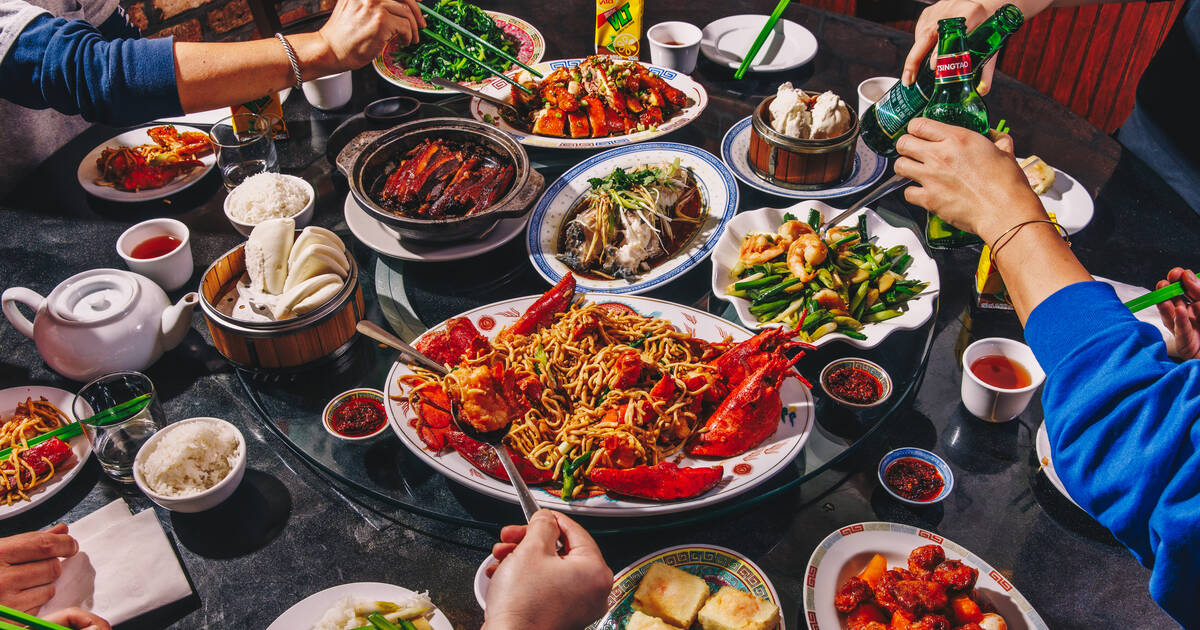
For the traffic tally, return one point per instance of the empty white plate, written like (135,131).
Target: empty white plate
(727,40)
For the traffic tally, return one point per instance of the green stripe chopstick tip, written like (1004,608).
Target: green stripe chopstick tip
(1158,296)
(762,37)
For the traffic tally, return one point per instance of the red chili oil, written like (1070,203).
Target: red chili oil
(855,385)
(913,479)
(154,247)
(357,417)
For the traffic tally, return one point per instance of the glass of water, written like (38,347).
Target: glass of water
(244,147)
(117,443)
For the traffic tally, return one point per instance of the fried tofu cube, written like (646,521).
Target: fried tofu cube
(641,621)
(731,609)
(671,594)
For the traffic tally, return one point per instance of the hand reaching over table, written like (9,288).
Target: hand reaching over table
(78,619)
(358,29)
(1181,315)
(926,35)
(29,565)
(535,587)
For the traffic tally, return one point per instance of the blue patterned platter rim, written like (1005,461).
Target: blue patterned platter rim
(846,551)
(717,565)
(885,379)
(742,472)
(868,168)
(717,188)
(498,88)
(926,456)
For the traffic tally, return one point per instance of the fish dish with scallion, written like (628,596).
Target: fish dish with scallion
(430,59)
(838,283)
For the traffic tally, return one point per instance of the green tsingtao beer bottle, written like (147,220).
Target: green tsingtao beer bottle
(954,102)
(884,122)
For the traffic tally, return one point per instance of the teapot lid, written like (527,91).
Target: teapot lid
(93,296)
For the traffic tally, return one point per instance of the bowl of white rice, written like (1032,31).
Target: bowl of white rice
(270,196)
(191,465)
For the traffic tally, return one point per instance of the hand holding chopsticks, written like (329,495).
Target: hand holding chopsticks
(74,617)
(27,621)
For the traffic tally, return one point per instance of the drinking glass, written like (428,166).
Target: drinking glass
(244,147)
(116,444)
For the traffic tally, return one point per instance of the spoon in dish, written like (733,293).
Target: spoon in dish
(450,85)
(492,438)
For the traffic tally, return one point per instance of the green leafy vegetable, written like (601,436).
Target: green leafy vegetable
(431,59)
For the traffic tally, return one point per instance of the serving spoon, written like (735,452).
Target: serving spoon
(491,438)
(450,85)
(877,193)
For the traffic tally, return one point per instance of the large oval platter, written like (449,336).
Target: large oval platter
(845,552)
(717,188)
(487,112)
(742,472)
(718,567)
(531,48)
(923,267)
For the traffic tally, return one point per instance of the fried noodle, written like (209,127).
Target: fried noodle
(31,419)
(582,409)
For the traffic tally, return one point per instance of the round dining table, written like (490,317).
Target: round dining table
(312,513)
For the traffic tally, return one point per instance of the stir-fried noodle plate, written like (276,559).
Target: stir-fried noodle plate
(616,408)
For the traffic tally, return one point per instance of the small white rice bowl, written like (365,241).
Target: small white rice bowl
(191,465)
(266,196)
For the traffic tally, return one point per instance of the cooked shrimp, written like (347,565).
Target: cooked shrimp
(829,299)
(805,254)
(791,230)
(761,248)
(836,234)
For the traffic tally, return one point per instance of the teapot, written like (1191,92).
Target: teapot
(100,321)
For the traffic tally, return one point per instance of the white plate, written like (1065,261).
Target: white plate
(304,613)
(868,168)
(88,173)
(1069,201)
(63,400)
(717,188)
(753,467)
(923,268)
(1042,446)
(376,235)
(498,88)
(727,40)
(845,552)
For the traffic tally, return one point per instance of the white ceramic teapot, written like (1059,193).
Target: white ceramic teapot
(101,321)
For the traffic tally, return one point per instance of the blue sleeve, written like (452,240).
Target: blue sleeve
(68,66)
(1124,424)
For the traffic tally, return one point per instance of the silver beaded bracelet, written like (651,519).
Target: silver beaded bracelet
(291,54)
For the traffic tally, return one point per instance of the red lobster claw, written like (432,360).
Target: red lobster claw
(542,312)
(663,482)
(484,458)
(749,415)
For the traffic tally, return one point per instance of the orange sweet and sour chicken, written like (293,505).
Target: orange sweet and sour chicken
(598,98)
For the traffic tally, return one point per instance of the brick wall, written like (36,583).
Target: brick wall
(211,20)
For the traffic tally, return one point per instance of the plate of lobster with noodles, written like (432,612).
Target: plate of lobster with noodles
(615,406)
(146,164)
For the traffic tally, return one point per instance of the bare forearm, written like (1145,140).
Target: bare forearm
(212,75)
(1034,261)
(1033,7)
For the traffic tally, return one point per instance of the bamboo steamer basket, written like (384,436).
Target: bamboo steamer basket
(324,333)
(796,163)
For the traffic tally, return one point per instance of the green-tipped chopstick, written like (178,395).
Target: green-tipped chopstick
(64,433)
(120,412)
(762,37)
(29,621)
(112,415)
(475,38)
(425,32)
(1173,290)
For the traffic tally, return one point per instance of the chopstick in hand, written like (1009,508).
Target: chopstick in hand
(762,37)
(1168,292)
(475,38)
(29,621)
(426,32)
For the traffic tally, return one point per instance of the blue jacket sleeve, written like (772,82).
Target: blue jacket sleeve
(68,66)
(1124,424)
